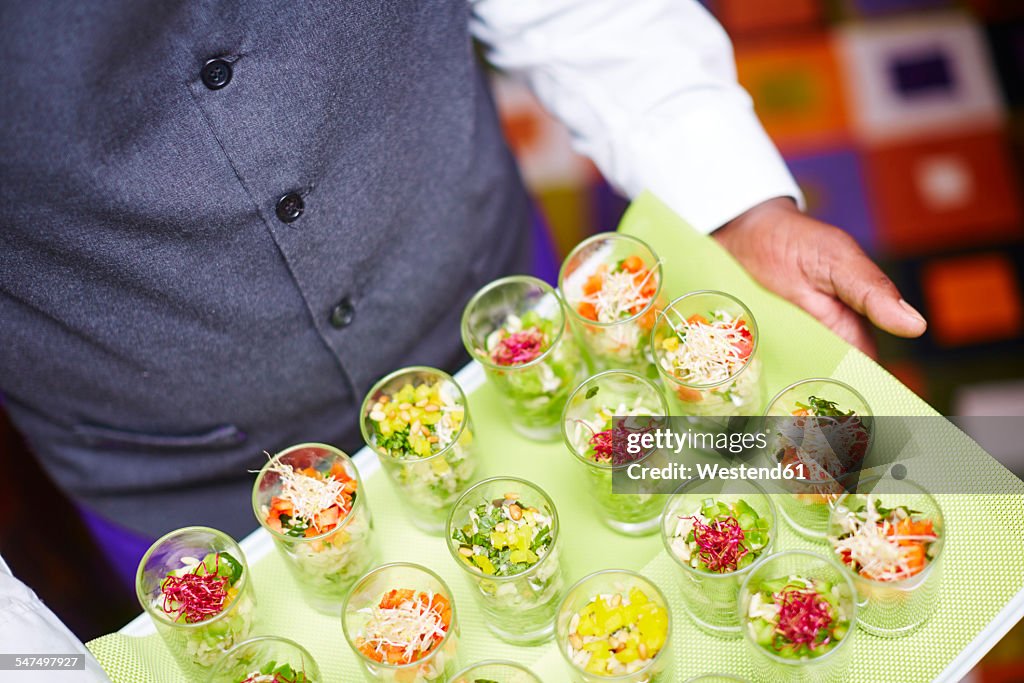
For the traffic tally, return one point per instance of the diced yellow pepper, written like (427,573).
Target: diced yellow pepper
(628,654)
(485,564)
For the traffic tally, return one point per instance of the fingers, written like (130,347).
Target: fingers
(861,285)
(839,318)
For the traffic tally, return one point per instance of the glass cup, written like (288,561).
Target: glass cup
(428,481)
(590,411)
(496,671)
(783,567)
(439,664)
(710,597)
(325,565)
(579,654)
(196,645)
(825,451)
(533,389)
(895,608)
(612,285)
(265,656)
(726,392)
(519,608)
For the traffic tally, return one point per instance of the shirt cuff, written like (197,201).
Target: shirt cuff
(710,164)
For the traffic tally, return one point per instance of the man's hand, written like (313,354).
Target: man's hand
(821,269)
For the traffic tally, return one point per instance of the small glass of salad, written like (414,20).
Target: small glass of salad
(504,532)
(598,419)
(417,420)
(797,611)
(312,501)
(195,585)
(266,659)
(716,531)
(705,345)
(516,327)
(615,625)
(822,429)
(496,671)
(400,621)
(890,542)
(611,283)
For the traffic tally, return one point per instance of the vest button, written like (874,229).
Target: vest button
(215,74)
(290,207)
(342,314)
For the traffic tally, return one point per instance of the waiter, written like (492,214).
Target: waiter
(221,222)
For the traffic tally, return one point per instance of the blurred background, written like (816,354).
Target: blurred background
(903,121)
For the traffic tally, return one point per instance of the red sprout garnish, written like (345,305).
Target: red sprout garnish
(195,597)
(803,615)
(602,443)
(519,347)
(610,445)
(720,543)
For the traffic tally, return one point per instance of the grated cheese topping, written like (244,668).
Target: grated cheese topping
(414,626)
(707,353)
(309,496)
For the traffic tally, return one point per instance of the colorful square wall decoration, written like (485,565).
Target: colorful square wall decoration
(973,299)
(743,17)
(833,186)
(921,77)
(947,192)
(797,92)
(952,191)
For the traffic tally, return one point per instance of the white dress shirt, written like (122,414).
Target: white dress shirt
(648,89)
(28,627)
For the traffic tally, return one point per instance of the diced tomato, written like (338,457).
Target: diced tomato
(395,654)
(587,310)
(328,518)
(648,283)
(632,264)
(908,527)
(744,346)
(339,472)
(593,284)
(394,598)
(370,651)
(697,319)
(646,321)
(915,556)
(688,395)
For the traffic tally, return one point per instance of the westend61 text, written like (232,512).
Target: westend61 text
(669,439)
(676,471)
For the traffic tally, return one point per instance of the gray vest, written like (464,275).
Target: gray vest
(204,260)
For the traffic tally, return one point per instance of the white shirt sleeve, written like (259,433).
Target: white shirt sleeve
(648,89)
(28,627)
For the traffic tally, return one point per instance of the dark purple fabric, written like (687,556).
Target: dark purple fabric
(122,547)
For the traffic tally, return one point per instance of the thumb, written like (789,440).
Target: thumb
(862,286)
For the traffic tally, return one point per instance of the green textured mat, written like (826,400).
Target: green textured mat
(983,560)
